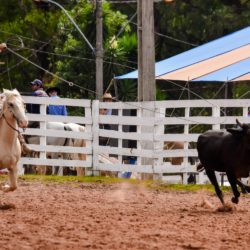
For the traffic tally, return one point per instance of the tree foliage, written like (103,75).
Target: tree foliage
(44,35)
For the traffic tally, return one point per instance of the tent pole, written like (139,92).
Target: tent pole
(226,96)
(188,88)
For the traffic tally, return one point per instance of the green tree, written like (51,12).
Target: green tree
(80,68)
(29,32)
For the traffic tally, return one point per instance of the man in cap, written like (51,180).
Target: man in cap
(37,90)
(56,109)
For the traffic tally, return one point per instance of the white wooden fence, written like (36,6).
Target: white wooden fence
(152,123)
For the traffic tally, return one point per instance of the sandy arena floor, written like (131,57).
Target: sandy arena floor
(118,216)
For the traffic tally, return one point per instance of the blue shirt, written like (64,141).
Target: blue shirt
(57,109)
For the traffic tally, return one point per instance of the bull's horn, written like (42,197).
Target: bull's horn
(238,123)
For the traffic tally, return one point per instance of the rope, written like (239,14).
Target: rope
(132,105)
(10,124)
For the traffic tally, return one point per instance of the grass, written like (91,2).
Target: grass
(182,187)
(157,185)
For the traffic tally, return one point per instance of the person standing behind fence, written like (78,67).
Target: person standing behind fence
(56,109)
(107,97)
(37,90)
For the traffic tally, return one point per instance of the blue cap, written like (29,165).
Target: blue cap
(37,82)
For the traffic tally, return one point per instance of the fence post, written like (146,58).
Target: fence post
(88,113)
(95,132)
(185,158)
(148,110)
(43,127)
(216,113)
(120,111)
(158,145)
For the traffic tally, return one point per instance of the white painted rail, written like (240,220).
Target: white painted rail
(171,121)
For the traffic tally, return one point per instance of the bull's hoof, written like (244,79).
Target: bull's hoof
(247,188)
(243,191)
(235,200)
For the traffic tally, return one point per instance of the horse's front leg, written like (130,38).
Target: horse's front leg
(12,179)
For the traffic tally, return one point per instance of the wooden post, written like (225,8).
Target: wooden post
(146,51)
(146,69)
(99,50)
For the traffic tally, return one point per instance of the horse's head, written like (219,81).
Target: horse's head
(13,107)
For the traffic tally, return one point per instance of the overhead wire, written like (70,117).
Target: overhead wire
(25,37)
(94,92)
(123,2)
(122,28)
(44,42)
(170,37)
(50,73)
(14,66)
(71,84)
(76,57)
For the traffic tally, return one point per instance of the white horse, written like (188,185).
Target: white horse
(60,141)
(12,116)
(77,143)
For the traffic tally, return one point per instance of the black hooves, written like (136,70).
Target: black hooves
(244,191)
(247,188)
(235,200)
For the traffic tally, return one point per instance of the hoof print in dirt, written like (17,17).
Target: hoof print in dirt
(5,206)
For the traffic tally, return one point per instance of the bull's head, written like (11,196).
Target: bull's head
(242,128)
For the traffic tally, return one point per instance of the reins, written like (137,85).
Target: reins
(20,136)
(10,124)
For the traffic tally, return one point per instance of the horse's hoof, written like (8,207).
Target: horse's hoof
(235,200)
(7,188)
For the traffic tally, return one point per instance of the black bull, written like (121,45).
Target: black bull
(229,152)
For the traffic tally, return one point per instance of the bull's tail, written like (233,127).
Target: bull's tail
(200,167)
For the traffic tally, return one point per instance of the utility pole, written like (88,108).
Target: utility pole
(146,51)
(99,50)
(146,69)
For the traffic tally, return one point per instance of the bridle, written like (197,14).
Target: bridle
(17,120)
(10,124)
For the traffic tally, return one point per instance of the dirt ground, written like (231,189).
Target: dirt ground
(119,216)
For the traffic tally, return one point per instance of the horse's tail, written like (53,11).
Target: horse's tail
(68,140)
(200,167)
(81,128)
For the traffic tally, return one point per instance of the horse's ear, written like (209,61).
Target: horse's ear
(6,91)
(15,91)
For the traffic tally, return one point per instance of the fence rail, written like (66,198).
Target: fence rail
(138,131)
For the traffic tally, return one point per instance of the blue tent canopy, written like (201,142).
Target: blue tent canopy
(210,50)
